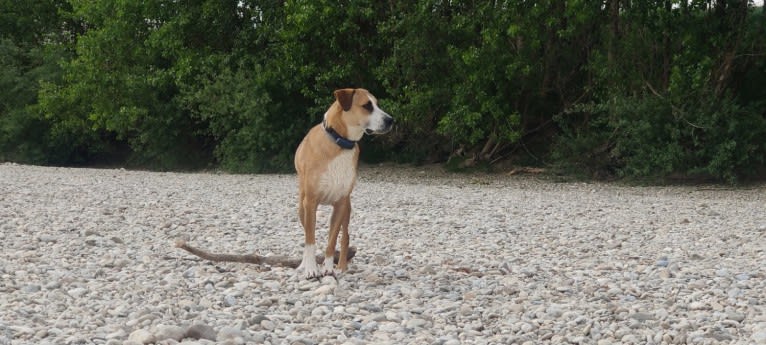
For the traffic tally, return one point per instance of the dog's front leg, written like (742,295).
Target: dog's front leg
(308,212)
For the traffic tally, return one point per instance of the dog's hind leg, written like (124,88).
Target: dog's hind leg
(344,241)
(332,237)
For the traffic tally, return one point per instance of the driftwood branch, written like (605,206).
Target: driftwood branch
(276,260)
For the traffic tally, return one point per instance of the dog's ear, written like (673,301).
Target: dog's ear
(345,97)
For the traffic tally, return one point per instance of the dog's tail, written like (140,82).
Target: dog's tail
(276,260)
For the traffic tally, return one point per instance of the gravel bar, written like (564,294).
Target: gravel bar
(88,257)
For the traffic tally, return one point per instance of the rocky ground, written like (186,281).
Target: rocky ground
(88,258)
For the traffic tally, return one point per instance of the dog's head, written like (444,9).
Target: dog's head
(360,110)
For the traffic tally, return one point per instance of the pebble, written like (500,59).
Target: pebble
(416,323)
(641,316)
(731,315)
(267,325)
(77,292)
(554,311)
(89,257)
(697,306)
(516,308)
(119,334)
(165,332)
(201,331)
(142,336)
(229,300)
(320,311)
(227,333)
(324,290)
(31,288)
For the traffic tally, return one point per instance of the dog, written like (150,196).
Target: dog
(326,163)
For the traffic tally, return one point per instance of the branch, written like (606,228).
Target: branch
(676,109)
(276,261)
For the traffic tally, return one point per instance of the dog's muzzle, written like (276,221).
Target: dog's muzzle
(388,124)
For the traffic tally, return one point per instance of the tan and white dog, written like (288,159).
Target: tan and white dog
(326,162)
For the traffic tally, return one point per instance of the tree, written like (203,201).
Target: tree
(35,37)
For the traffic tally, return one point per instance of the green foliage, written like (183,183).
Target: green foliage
(636,89)
(254,133)
(648,137)
(682,115)
(34,39)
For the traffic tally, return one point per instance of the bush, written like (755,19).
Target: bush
(648,137)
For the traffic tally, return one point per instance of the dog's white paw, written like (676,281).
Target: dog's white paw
(312,274)
(310,269)
(328,268)
(308,264)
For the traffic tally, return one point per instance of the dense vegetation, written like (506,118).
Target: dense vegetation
(610,88)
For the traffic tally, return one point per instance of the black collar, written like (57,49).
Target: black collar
(338,139)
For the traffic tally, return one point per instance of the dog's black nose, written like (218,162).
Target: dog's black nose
(388,121)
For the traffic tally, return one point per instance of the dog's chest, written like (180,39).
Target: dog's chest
(338,180)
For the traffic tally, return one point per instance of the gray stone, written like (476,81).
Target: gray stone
(32,288)
(416,323)
(372,308)
(267,325)
(48,239)
(320,311)
(257,319)
(554,311)
(732,315)
(641,316)
(369,327)
(201,331)
(229,300)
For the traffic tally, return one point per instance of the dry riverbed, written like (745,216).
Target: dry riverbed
(88,258)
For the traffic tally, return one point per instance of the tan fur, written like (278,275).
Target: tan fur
(327,172)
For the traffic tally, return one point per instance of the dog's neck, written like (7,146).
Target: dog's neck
(341,141)
(342,134)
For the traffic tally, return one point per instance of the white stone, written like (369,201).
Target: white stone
(142,336)
(164,332)
(759,337)
(228,333)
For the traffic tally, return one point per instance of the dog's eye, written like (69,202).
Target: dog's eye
(368,106)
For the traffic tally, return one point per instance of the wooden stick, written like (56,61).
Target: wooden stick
(276,260)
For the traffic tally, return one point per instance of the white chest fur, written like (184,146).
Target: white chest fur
(339,178)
